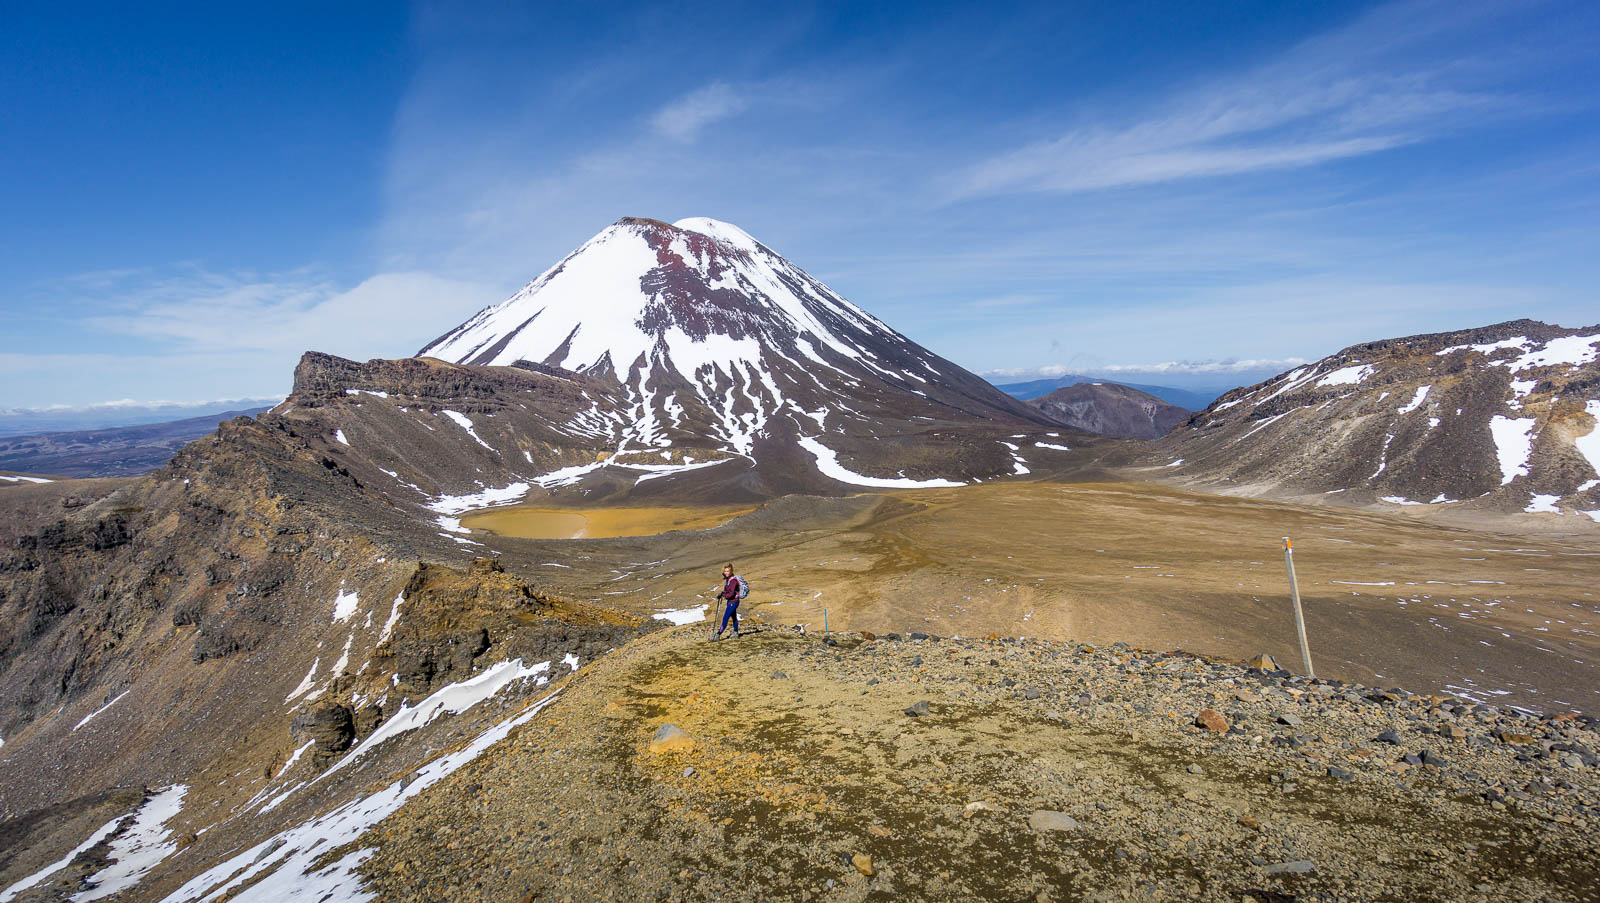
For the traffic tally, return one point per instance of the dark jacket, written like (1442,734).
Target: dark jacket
(730,590)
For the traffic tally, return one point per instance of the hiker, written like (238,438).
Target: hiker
(734,588)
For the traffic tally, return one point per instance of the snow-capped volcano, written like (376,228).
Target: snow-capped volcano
(712,338)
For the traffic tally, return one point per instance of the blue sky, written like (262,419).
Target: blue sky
(1169,193)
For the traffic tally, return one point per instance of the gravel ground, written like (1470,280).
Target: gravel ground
(860,768)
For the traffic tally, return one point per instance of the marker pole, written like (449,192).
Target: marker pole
(1299,616)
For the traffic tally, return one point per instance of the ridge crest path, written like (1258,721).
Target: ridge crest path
(791,778)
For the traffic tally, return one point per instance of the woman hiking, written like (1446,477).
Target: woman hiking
(733,590)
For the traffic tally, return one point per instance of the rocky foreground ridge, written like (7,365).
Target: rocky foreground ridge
(803,767)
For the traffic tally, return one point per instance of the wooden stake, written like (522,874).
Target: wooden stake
(1299,617)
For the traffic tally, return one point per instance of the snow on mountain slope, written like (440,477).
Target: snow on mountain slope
(1503,417)
(710,338)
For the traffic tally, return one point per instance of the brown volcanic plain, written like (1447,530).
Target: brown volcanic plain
(1390,601)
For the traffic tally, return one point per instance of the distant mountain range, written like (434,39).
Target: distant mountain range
(121,452)
(1188,399)
(114,415)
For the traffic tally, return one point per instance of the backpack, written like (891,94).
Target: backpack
(744,587)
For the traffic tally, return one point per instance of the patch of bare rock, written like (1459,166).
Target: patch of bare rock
(985,769)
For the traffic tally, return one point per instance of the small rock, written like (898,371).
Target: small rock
(1434,759)
(1212,720)
(688,771)
(1196,769)
(1290,718)
(1030,693)
(863,863)
(1390,737)
(1296,867)
(1341,774)
(1262,661)
(1249,821)
(779,675)
(670,737)
(919,709)
(1049,820)
(973,808)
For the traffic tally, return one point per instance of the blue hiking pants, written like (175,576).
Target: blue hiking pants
(730,614)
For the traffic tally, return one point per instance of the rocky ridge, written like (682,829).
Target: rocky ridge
(1504,418)
(855,767)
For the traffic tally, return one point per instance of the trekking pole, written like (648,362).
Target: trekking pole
(824,622)
(1299,616)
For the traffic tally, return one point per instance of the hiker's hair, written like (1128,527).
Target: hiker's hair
(729,566)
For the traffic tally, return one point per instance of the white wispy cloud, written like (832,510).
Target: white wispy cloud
(1230,367)
(1186,368)
(682,119)
(155,332)
(1367,88)
(387,315)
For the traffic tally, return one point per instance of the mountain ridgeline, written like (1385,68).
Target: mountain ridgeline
(1502,418)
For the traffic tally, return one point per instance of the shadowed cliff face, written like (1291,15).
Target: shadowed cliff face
(1108,409)
(253,595)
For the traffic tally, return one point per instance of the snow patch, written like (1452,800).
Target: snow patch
(1346,376)
(453,699)
(283,862)
(446,505)
(1416,400)
(338,436)
(344,607)
(828,464)
(306,683)
(1588,444)
(1513,443)
(1545,504)
(145,845)
(25,479)
(11,892)
(394,617)
(108,705)
(682,615)
(466,424)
